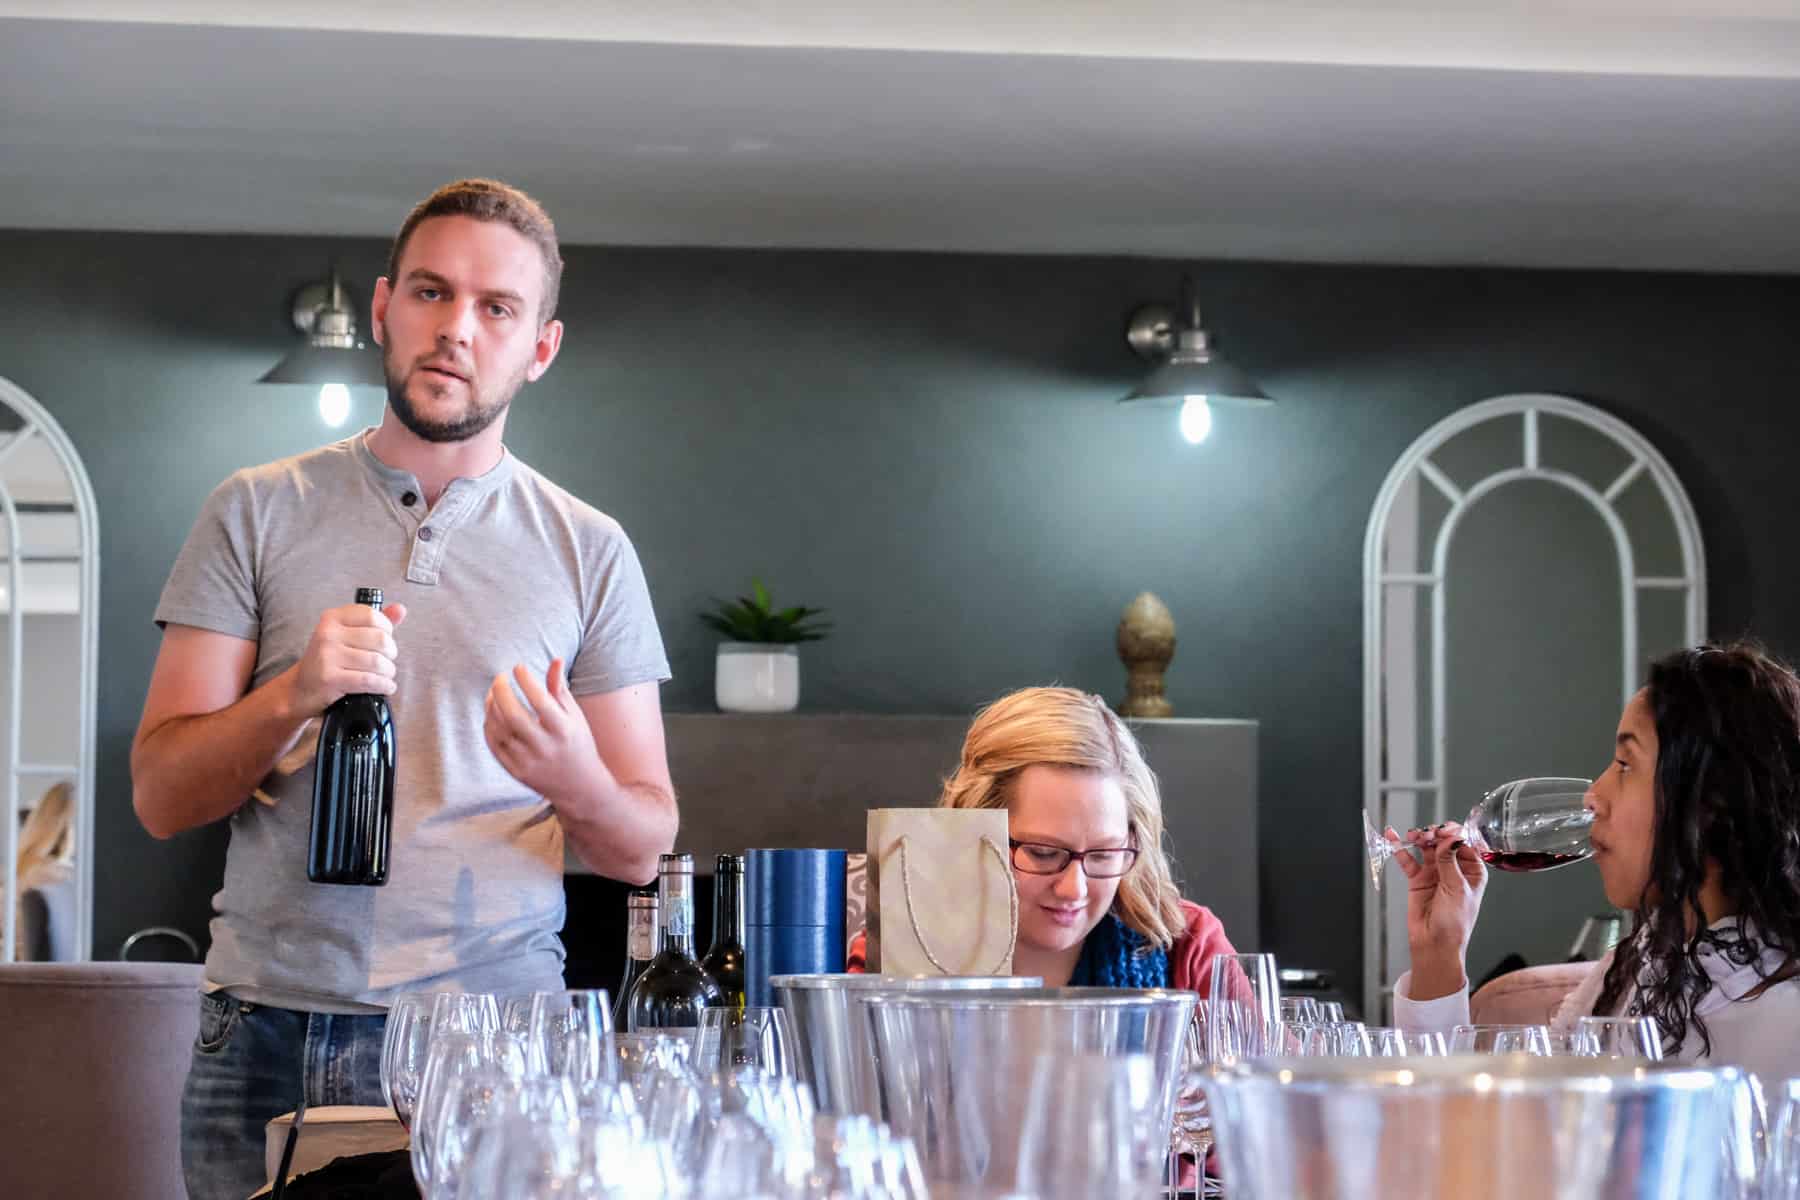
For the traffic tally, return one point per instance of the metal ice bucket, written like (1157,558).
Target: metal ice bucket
(1495,1127)
(835,1052)
(953,1069)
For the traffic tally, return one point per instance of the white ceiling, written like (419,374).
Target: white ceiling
(1610,133)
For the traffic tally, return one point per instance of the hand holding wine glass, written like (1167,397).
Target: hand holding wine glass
(1443,897)
(1526,825)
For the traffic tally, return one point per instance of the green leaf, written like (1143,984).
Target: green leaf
(752,619)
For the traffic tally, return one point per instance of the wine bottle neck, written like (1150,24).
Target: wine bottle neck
(728,907)
(675,901)
(641,933)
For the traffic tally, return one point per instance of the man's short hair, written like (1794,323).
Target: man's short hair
(489,200)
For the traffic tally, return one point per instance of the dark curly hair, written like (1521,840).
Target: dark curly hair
(1727,789)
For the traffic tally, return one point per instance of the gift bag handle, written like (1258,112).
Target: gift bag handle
(1012,895)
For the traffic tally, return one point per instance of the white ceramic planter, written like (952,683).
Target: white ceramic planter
(757,677)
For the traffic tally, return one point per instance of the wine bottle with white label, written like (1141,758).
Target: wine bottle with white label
(673,990)
(641,934)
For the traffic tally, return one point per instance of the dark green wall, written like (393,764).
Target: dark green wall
(928,446)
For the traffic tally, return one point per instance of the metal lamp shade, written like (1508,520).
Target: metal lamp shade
(352,367)
(1214,378)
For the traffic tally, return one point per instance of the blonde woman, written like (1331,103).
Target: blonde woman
(1098,905)
(46,873)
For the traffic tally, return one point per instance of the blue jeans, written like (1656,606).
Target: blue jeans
(248,1068)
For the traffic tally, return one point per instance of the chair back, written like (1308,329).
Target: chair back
(93,1057)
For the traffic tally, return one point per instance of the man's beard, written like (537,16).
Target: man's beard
(472,422)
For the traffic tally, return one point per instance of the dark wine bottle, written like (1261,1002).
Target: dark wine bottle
(724,961)
(353,787)
(673,990)
(641,935)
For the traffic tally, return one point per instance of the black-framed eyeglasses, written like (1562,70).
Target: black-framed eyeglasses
(1107,862)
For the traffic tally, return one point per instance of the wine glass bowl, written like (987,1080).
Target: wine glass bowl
(1500,1039)
(1533,824)
(752,1036)
(1243,1013)
(1620,1037)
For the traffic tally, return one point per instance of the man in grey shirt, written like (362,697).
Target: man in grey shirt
(519,654)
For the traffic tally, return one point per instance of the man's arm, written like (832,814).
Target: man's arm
(599,760)
(204,745)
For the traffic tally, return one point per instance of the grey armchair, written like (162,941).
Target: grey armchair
(92,1061)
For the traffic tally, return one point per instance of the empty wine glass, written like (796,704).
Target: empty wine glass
(620,1163)
(1619,1037)
(1526,825)
(570,1035)
(454,1057)
(453,1054)
(1302,1009)
(515,1014)
(1500,1039)
(1430,1043)
(1244,1013)
(855,1158)
(1332,1039)
(403,1019)
(1331,1010)
(465,1012)
(532,1152)
(742,1158)
(1387,1043)
(1191,1133)
(745,1037)
(472,1100)
(405,1051)
(639,1054)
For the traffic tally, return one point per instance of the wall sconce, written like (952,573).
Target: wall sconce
(1189,370)
(331,358)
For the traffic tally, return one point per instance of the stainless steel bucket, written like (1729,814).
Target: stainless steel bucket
(1473,1127)
(953,1069)
(835,1052)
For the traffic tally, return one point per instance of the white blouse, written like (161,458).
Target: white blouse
(1760,1035)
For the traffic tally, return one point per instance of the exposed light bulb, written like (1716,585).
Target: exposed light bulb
(1196,419)
(334,405)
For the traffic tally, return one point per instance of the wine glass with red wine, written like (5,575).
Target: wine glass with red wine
(1526,825)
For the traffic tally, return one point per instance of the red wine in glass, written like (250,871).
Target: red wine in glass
(1529,860)
(1535,824)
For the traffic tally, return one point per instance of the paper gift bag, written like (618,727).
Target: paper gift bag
(941,894)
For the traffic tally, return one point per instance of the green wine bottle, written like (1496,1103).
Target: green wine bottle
(724,961)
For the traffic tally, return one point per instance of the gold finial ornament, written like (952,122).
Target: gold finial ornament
(1146,644)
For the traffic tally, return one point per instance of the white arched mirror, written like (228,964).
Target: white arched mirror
(49,618)
(1524,561)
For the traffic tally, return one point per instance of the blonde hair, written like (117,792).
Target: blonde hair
(48,835)
(1057,726)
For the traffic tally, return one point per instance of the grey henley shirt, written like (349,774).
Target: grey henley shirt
(506,568)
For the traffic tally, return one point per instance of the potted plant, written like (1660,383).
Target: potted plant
(758,667)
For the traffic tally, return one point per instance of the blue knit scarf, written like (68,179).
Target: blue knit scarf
(1116,955)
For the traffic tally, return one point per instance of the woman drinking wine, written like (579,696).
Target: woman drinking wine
(1697,830)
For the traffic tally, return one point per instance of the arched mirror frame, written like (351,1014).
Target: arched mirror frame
(36,422)
(1643,460)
